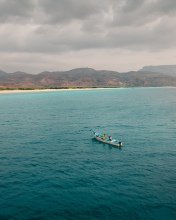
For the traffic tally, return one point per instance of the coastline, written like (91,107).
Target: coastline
(46,90)
(34,90)
(60,90)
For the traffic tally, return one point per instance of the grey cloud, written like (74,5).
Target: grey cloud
(166,7)
(143,39)
(63,11)
(73,25)
(15,10)
(141,12)
(117,12)
(52,12)
(132,5)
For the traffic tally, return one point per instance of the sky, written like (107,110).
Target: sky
(60,35)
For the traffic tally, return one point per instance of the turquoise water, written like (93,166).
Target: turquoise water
(52,168)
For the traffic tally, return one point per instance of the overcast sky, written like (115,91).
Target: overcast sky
(119,35)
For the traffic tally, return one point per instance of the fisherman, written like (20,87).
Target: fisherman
(110,138)
(104,137)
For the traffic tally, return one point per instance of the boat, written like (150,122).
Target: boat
(113,142)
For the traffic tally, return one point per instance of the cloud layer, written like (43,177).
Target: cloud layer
(56,28)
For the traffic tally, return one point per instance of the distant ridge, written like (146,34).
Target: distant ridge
(166,69)
(84,77)
(2,73)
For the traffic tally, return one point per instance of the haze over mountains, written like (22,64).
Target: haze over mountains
(86,77)
(167,69)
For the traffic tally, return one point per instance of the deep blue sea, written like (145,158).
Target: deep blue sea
(52,168)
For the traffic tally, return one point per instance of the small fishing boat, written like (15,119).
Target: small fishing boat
(99,137)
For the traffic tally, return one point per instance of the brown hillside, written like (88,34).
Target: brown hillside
(85,77)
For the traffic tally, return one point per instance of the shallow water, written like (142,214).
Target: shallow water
(52,168)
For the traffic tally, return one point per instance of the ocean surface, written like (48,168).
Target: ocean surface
(52,168)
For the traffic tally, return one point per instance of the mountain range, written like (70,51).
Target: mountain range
(86,77)
(166,69)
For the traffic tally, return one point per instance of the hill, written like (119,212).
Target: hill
(166,69)
(2,73)
(85,77)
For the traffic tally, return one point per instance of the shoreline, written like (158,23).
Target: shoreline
(47,90)
(60,90)
(33,90)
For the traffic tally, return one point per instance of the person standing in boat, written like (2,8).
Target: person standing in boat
(104,137)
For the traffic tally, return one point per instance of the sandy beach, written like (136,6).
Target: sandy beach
(35,90)
(60,90)
(46,90)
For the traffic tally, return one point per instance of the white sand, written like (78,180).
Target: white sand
(45,90)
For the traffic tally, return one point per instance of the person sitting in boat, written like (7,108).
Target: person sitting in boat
(104,137)
(110,138)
